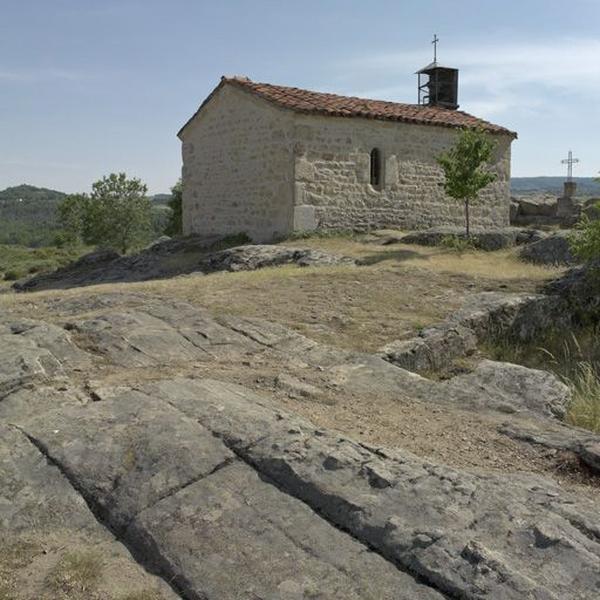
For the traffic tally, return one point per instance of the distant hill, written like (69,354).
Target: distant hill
(586,186)
(28,215)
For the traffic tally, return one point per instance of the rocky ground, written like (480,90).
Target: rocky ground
(152,448)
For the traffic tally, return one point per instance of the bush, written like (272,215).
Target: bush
(585,240)
(13,275)
(458,243)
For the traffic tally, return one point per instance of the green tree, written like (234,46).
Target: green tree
(117,213)
(174,224)
(466,167)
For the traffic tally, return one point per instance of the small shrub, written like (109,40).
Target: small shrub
(13,275)
(585,240)
(458,243)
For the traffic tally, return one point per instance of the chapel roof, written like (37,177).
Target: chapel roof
(321,103)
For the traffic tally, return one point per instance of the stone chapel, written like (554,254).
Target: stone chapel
(268,160)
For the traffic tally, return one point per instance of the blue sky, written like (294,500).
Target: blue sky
(89,87)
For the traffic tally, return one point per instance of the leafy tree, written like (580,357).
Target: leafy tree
(465,166)
(117,213)
(174,224)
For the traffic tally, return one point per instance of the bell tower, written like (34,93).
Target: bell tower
(438,85)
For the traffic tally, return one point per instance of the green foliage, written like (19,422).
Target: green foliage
(28,215)
(585,240)
(457,243)
(465,168)
(17,261)
(117,213)
(174,224)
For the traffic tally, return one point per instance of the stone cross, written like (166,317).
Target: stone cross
(570,162)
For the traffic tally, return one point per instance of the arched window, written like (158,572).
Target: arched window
(376,171)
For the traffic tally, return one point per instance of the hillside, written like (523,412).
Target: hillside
(28,215)
(586,186)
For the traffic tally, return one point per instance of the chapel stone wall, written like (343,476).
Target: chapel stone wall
(238,168)
(332,176)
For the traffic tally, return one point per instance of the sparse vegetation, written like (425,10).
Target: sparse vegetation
(457,243)
(585,241)
(19,261)
(75,575)
(574,357)
(465,167)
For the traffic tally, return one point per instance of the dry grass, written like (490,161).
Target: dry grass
(400,290)
(75,576)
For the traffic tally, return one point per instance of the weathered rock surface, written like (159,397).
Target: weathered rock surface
(201,517)
(482,317)
(223,494)
(579,288)
(512,388)
(467,535)
(543,206)
(488,239)
(44,522)
(552,250)
(173,257)
(252,257)
(432,349)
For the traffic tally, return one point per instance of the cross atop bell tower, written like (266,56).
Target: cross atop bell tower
(441,86)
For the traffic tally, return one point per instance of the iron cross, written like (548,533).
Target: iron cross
(436,39)
(569,162)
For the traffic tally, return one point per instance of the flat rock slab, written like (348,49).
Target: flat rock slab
(127,453)
(46,530)
(234,535)
(33,352)
(259,256)
(469,536)
(202,518)
(511,388)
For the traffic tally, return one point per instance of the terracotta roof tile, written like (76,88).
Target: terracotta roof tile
(306,101)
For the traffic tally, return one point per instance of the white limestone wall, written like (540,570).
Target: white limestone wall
(332,176)
(238,168)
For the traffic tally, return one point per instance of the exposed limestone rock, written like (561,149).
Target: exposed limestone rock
(488,239)
(32,351)
(173,257)
(552,250)
(579,288)
(512,388)
(44,520)
(469,536)
(543,206)
(296,388)
(482,317)
(181,499)
(432,349)
(252,257)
